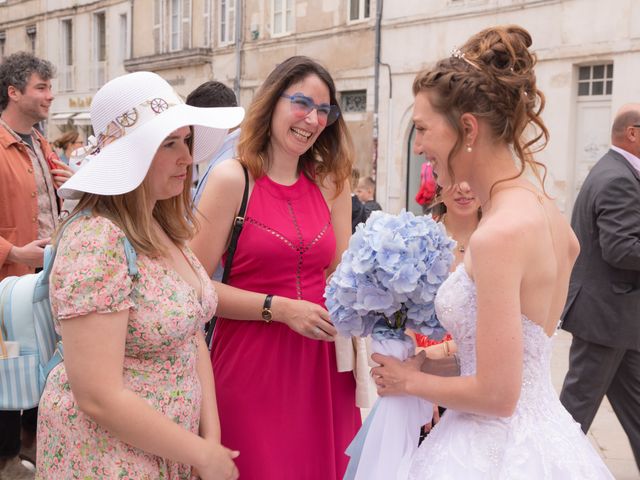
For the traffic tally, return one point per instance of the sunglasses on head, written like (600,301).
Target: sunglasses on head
(303,105)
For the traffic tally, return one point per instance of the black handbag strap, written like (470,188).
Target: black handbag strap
(238,223)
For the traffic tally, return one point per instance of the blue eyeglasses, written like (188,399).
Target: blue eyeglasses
(301,105)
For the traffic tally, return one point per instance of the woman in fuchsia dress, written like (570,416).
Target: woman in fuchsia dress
(282,402)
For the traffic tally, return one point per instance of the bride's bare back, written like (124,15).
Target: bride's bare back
(546,245)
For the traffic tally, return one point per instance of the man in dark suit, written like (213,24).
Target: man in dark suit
(603,305)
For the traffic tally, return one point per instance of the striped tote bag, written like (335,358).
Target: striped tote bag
(25,318)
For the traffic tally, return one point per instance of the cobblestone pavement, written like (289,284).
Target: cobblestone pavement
(606,434)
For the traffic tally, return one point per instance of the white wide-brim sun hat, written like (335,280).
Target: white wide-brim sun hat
(131,116)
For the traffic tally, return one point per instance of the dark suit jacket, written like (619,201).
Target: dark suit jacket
(603,305)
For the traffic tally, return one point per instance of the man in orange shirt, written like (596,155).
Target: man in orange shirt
(30,173)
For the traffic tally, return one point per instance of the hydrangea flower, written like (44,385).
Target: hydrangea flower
(391,272)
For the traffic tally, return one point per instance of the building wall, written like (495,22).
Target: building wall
(319,30)
(566,34)
(75,85)
(184,68)
(15,17)
(74,92)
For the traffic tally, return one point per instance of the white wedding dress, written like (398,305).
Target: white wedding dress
(539,441)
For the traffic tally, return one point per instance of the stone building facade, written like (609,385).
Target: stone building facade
(238,42)
(86,40)
(588,53)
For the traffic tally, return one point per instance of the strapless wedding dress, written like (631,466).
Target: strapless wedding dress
(539,441)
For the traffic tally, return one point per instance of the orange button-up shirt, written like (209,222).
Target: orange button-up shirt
(18,199)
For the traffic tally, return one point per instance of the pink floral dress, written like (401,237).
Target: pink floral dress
(90,274)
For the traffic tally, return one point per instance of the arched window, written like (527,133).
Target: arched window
(414,164)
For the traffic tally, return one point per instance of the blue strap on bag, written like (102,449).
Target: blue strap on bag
(25,317)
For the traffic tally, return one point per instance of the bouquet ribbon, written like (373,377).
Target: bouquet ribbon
(383,447)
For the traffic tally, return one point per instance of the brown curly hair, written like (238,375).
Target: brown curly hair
(492,77)
(331,153)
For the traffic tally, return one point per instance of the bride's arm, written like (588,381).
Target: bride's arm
(495,388)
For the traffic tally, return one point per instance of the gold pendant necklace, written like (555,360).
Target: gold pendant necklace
(459,246)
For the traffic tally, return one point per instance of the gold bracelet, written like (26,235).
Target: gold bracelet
(445,346)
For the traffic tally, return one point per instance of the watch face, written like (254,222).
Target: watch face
(266,314)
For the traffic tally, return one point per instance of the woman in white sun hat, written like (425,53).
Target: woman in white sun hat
(134,397)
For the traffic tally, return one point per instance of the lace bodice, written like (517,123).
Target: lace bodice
(456,308)
(539,441)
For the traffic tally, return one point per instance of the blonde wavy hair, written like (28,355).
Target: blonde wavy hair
(174,215)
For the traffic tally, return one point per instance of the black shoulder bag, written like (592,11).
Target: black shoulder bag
(238,223)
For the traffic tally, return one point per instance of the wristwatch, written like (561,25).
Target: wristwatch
(266,309)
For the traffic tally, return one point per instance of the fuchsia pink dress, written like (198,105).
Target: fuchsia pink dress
(281,401)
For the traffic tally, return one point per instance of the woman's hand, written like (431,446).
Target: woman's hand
(392,376)
(218,464)
(435,419)
(306,318)
(61,174)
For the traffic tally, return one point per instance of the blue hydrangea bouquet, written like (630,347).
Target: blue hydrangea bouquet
(387,282)
(390,275)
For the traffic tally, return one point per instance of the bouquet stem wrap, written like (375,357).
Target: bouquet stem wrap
(383,447)
(387,280)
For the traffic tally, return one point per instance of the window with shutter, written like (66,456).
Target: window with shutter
(158,12)
(227,21)
(282,17)
(186,24)
(359,10)
(174,25)
(206,17)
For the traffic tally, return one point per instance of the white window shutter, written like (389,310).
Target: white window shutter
(186,24)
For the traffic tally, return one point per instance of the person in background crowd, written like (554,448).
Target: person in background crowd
(67,143)
(214,94)
(134,397)
(458,209)
(477,117)
(603,304)
(29,177)
(281,399)
(366,191)
(358,212)
(428,186)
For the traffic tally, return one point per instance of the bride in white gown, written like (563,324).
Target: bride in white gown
(502,304)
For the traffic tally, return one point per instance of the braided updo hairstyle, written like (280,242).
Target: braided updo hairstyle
(491,77)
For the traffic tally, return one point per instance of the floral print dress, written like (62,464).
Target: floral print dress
(90,274)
